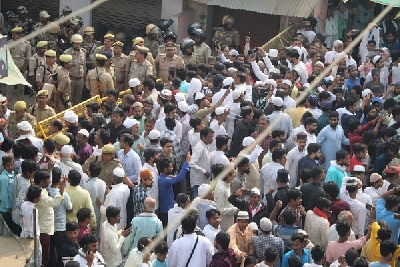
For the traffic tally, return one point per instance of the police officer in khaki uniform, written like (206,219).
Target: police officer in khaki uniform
(187,51)
(119,61)
(165,61)
(107,162)
(107,45)
(62,96)
(43,22)
(227,35)
(21,55)
(169,37)
(16,116)
(140,67)
(47,73)
(37,60)
(201,49)
(41,110)
(98,81)
(90,45)
(78,70)
(109,66)
(151,40)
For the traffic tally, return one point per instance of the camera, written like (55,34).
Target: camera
(252,51)
(259,93)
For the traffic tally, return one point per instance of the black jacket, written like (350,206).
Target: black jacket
(243,204)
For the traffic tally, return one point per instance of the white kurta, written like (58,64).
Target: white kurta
(110,244)
(117,197)
(292,161)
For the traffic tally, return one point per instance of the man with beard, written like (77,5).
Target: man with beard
(309,161)
(243,169)
(294,156)
(338,168)
(140,192)
(331,138)
(294,58)
(138,115)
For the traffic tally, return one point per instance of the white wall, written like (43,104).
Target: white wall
(76,5)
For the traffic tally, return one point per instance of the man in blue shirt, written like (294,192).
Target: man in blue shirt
(297,250)
(386,208)
(165,182)
(391,43)
(353,79)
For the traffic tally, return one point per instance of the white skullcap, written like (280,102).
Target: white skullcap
(253,226)
(198,96)
(134,82)
(227,81)
(119,172)
(84,132)
(70,116)
(233,52)
(259,83)
(67,149)
(24,126)
(271,82)
(366,92)
(183,106)
(287,82)
(236,94)
(220,110)
(232,70)
(203,189)
(359,168)
(337,42)
(273,53)
(277,101)
(154,134)
(319,63)
(128,123)
(179,97)
(247,141)
(296,69)
(375,59)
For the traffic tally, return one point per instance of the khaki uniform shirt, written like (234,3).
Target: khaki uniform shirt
(47,72)
(13,131)
(78,62)
(99,50)
(119,66)
(105,79)
(90,49)
(111,71)
(21,52)
(161,49)
(41,114)
(152,45)
(141,70)
(203,52)
(64,84)
(34,62)
(163,64)
(106,168)
(131,57)
(230,38)
(190,59)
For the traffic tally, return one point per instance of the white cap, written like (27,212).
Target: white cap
(274,70)
(306,85)
(227,81)
(253,226)
(359,168)
(220,110)
(273,53)
(198,96)
(84,132)
(203,189)
(166,92)
(179,97)
(366,92)
(119,172)
(67,149)
(236,94)
(255,190)
(319,63)
(259,83)
(375,177)
(271,82)
(265,224)
(296,69)
(232,70)
(233,52)
(375,59)
(134,82)
(287,82)
(70,116)
(337,42)
(3,98)
(154,134)
(298,49)
(183,106)
(277,101)
(247,141)
(128,123)
(24,126)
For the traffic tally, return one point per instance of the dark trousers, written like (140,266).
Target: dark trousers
(45,241)
(57,241)
(15,228)
(163,218)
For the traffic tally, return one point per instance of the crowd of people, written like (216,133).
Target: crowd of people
(319,189)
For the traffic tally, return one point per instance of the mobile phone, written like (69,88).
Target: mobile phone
(368,206)
(246,192)
(383,114)
(396,216)
(85,248)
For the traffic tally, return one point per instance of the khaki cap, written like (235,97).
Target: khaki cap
(109,36)
(66,58)
(44,14)
(54,28)
(101,57)
(142,49)
(50,53)
(19,105)
(41,44)
(108,149)
(88,31)
(17,30)
(169,46)
(42,93)
(61,139)
(137,40)
(119,44)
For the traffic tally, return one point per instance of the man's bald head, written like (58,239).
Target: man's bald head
(149,204)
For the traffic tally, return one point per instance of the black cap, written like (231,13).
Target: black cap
(219,66)
(150,152)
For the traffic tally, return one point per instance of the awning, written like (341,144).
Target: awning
(291,8)
(395,3)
